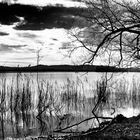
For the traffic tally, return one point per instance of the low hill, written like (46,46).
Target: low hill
(66,68)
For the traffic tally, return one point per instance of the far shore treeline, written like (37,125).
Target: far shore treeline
(67,68)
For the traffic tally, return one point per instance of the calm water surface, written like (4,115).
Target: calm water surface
(35,104)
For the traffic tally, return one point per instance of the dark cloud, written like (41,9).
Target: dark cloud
(65,45)
(31,50)
(6,47)
(50,44)
(27,35)
(54,39)
(3,33)
(48,16)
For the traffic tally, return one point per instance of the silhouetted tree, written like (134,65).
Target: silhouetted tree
(113,32)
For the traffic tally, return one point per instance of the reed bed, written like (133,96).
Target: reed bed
(32,106)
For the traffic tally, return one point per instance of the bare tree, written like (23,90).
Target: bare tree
(38,56)
(113,32)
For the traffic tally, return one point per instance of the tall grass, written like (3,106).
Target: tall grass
(30,106)
(37,107)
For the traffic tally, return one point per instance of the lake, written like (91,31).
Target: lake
(38,103)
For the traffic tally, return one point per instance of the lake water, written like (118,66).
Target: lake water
(36,104)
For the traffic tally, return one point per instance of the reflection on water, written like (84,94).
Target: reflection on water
(36,105)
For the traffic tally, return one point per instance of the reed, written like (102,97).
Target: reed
(30,106)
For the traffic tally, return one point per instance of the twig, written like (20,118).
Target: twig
(81,122)
(100,129)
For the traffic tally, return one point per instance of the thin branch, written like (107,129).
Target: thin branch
(121,56)
(83,44)
(127,7)
(60,130)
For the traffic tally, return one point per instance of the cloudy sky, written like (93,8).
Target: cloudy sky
(67,3)
(19,47)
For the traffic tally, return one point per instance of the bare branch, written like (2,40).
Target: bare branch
(121,56)
(112,24)
(60,130)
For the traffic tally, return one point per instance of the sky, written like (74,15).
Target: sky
(67,3)
(19,47)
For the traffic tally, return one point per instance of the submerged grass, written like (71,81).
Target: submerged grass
(30,106)
(35,107)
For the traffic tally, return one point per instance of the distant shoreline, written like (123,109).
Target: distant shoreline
(66,68)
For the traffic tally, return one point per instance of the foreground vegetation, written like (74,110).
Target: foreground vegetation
(32,107)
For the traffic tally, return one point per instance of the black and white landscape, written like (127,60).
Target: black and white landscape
(69,69)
